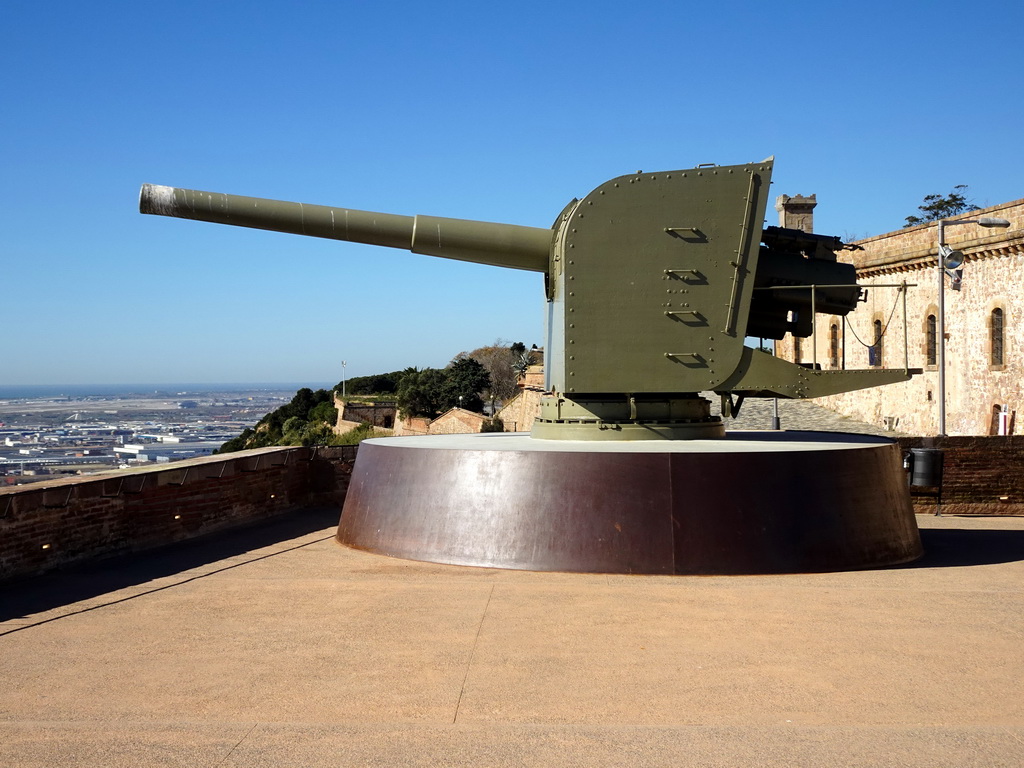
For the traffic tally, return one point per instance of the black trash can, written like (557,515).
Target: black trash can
(926,467)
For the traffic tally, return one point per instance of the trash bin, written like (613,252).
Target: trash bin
(926,467)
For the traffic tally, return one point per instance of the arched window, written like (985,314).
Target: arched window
(875,350)
(833,345)
(996,336)
(931,337)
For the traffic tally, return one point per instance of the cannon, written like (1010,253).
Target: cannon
(652,282)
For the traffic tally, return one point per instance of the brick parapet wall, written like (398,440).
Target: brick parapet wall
(981,475)
(55,523)
(915,247)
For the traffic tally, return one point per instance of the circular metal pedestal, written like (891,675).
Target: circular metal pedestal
(753,502)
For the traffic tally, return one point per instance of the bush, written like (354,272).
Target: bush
(355,436)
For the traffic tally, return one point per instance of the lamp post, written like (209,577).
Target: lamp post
(343,366)
(951,259)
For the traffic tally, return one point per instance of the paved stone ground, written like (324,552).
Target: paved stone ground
(756,413)
(273,646)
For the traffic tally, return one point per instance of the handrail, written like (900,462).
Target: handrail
(814,325)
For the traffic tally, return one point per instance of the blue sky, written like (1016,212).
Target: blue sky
(469,110)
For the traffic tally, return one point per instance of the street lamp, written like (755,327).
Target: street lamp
(343,365)
(951,259)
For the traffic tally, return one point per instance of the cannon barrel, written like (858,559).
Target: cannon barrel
(500,245)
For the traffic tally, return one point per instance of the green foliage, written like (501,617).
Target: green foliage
(493,424)
(422,393)
(309,417)
(356,435)
(466,379)
(377,384)
(504,363)
(236,443)
(293,424)
(306,420)
(522,362)
(433,391)
(936,207)
(324,412)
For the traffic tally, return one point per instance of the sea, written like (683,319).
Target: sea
(37,391)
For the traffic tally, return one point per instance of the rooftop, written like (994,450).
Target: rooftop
(272,645)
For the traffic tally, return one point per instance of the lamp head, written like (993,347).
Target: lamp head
(951,259)
(991,221)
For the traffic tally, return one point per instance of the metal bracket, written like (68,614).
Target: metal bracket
(689,234)
(698,359)
(698,318)
(741,260)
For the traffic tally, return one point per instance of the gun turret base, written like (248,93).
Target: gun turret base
(626,417)
(752,502)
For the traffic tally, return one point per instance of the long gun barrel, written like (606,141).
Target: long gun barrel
(652,281)
(500,245)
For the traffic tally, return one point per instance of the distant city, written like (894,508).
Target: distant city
(49,431)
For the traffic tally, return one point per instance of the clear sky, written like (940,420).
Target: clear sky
(496,112)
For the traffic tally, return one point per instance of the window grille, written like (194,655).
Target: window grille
(833,345)
(931,348)
(996,332)
(875,350)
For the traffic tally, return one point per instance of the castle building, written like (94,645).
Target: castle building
(896,325)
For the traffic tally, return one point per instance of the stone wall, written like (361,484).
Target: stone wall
(518,414)
(414,425)
(993,278)
(380,414)
(54,523)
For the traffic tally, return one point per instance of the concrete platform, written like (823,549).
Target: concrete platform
(274,646)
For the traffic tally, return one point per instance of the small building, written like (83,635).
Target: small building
(456,421)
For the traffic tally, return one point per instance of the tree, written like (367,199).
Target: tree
(377,384)
(292,429)
(306,420)
(467,378)
(522,362)
(422,393)
(323,413)
(936,207)
(303,401)
(500,360)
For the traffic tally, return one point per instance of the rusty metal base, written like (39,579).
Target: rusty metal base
(753,502)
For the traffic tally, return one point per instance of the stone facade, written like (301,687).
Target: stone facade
(796,212)
(983,324)
(414,425)
(519,413)
(456,421)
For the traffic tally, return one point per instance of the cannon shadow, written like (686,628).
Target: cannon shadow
(26,597)
(959,547)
